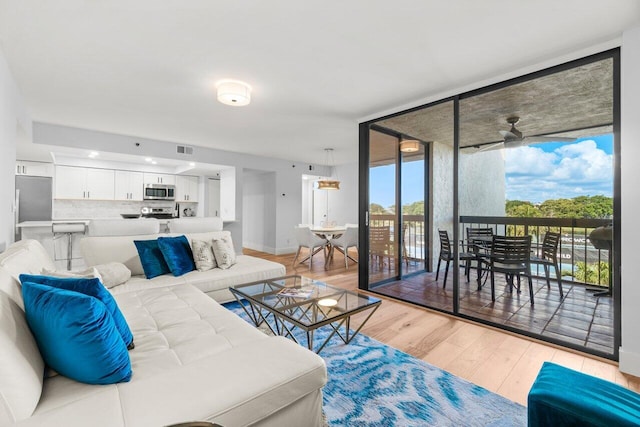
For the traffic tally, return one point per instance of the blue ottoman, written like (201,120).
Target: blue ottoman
(564,397)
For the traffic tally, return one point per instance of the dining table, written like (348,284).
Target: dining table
(329,232)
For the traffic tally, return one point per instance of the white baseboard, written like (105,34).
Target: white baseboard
(286,251)
(629,362)
(268,249)
(258,247)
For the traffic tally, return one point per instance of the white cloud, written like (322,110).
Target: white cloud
(569,171)
(529,161)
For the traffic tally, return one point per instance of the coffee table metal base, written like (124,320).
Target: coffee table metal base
(260,314)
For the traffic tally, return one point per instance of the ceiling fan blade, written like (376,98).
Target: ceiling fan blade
(489,147)
(508,135)
(539,139)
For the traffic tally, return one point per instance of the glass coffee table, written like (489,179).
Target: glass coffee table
(292,302)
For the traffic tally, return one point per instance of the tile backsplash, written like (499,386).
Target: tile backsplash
(87,209)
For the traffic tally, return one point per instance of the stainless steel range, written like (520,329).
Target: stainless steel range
(157,212)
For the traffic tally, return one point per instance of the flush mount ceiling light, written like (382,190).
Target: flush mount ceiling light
(409,146)
(329,184)
(234,92)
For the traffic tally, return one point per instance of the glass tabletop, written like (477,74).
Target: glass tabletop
(303,300)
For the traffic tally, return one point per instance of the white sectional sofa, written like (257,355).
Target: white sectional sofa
(193,359)
(111,241)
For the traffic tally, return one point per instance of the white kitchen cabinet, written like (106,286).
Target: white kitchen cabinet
(34,168)
(159,178)
(186,188)
(128,185)
(84,183)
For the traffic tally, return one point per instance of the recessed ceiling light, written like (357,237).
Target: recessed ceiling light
(148,159)
(192,164)
(234,92)
(153,162)
(94,154)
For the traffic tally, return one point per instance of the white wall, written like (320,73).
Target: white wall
(482,188)
(343,204)
(630,199)
(14,123)
(441,190)
(258,219)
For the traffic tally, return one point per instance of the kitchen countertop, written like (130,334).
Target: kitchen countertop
(36,224)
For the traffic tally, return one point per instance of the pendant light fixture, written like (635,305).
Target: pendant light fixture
(409,145)
(329,184)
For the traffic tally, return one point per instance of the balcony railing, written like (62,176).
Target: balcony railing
(579,260)
(413,244)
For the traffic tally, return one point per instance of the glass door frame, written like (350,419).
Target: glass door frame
(363,198)
(364,202)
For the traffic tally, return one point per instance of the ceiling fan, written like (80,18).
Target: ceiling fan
(514,138)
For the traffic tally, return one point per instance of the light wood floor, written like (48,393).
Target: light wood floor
(499,361)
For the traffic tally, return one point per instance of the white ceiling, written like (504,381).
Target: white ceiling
(147,68)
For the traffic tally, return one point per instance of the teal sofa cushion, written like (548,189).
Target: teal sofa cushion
(93,288)
(564,397)
(76,335)
(177,254)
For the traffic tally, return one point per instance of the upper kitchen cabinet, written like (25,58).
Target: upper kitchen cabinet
(159,178)
(186,188)
(84,183)
(34,168)
(128,185)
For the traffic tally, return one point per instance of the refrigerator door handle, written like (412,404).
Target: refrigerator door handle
(17,210)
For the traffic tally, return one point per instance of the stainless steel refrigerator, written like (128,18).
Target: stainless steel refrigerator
(33,198)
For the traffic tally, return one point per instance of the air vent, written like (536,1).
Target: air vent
(185,149)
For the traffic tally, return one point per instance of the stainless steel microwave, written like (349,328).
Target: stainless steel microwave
(159,192)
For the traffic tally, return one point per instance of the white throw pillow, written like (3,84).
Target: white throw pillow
(113,273)
(21,366)
(224,252)
(203,255)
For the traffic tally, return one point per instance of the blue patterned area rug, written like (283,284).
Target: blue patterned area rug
(372,384)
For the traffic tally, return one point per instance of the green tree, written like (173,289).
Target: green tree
(415,208)
(375,208)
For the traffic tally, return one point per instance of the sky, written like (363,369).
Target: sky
(534,173)
(555,170)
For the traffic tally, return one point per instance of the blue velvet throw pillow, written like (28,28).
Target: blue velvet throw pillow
(153,262)
(177,253)
(93,288)
(76,335)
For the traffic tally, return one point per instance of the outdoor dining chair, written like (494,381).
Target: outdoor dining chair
(511,255)
(549,257)
(479,244)
(446,255)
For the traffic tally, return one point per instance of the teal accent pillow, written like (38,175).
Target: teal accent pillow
(153,262)
(93,288)
(76,335)
(177,253)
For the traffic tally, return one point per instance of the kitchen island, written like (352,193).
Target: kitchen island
(57,245)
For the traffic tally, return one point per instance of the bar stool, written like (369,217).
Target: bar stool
(68,229)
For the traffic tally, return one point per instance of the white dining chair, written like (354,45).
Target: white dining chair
(348,239)
(307,239)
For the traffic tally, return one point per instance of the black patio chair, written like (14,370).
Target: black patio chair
(446,254)
(511,255)
(549,257)
(479,244)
